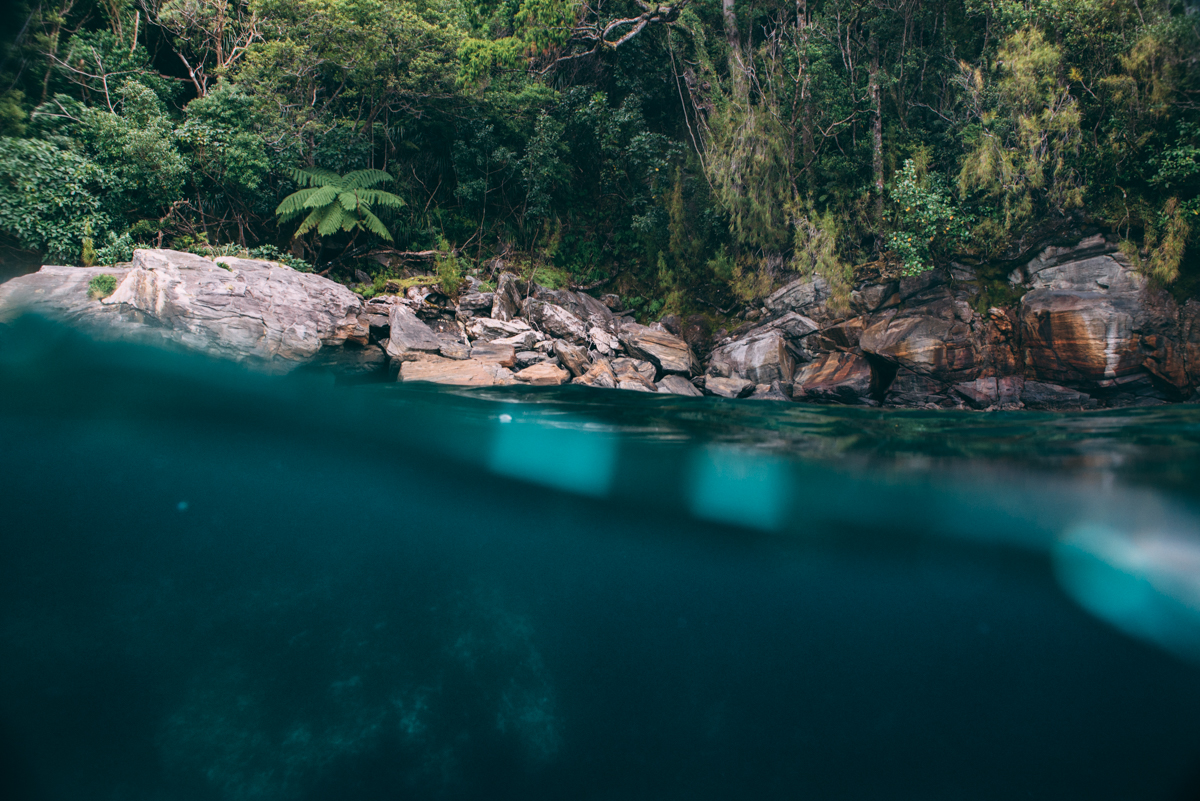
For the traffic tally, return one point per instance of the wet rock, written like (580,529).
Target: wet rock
(1039,395)
(468,373)
(506,300)
(983,393)
(760,359)
(556,321)
(772,392)
(793,326)
(573,357)
(667,352)
(636,382)
(1078,336)
(503,355)
(836,376)
(598,375)
(678,385)
(490,328)
(728,387)
(544,374)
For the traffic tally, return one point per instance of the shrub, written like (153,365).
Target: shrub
(101,286)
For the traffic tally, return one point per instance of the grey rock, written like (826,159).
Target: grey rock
(678,385)
(258,312)
(408,335)
(580,304)
(525,358)
(760,359)
(476,301)
(506,300)
(808,296)
(455,350)
(556,320)
(490,328)
(770,392)
(1039,395)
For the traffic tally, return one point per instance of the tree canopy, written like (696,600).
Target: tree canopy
(690,153)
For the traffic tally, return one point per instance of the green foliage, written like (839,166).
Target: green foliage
(49,197)
(331,203)
(272,253)
(1165,243)
(449,270)
(928,223)
(101,286)
(87,255)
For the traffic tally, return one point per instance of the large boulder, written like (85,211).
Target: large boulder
(580,304)
(259,312)
(490,328)
(760,359)
(836,376)
(728,387)
(573,357)
(678,385)
(667,352)
(598,375)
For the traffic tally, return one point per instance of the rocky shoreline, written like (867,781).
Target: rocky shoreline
(1087,332)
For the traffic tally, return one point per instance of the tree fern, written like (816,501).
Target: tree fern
(330,202)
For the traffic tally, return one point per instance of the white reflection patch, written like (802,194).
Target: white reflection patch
(1147,584)
(562,454)
(732,486)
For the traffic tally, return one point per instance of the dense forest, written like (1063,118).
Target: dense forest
(689,155)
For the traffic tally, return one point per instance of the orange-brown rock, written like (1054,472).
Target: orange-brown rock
(463,373)
(837,376)
(1076,336)
(945,348)
(544,374)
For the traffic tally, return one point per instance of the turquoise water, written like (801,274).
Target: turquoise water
(219,585)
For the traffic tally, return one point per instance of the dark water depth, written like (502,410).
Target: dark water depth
(217,585)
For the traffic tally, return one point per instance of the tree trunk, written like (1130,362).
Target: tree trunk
(806,134)
(737,64)
(876,131)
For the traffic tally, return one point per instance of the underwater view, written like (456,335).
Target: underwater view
(217,584)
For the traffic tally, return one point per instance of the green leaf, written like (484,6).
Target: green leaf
(375,225)
(361,179)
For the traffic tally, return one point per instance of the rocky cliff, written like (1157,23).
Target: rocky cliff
(1087,331)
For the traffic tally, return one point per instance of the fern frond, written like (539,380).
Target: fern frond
(333,221)
(310,222)
(377,197)
(313,176)
(361,179)
(349,200)
(375,225)
(294,204)
(321,197)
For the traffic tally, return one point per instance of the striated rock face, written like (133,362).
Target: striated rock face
(759,359)
(573,357)
(808,296)
(503,355)
(924,344)
(667,352)
(506,300)
(838,376)
(254,311)
(598,375)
